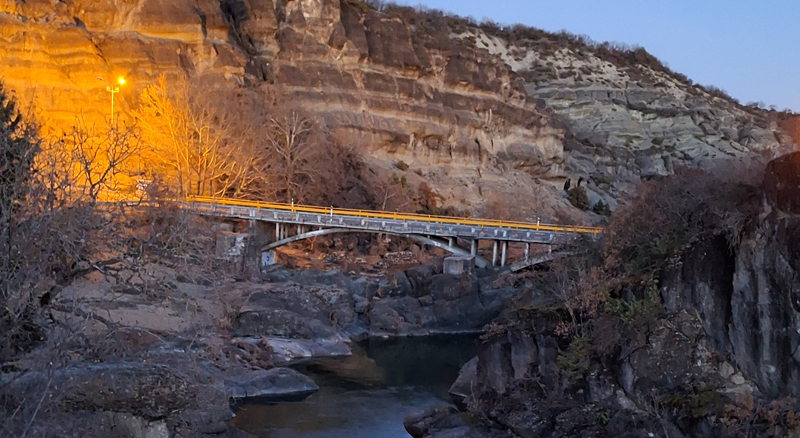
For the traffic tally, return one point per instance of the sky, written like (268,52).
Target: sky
(749,48)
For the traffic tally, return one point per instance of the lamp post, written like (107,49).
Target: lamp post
(114,90)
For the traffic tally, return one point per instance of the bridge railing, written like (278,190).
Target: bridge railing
(369,214)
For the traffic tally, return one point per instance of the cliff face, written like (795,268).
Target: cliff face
(627,115)
(455,102)
(728,341)
(747,296)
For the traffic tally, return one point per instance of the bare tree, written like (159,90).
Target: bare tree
(194,144)
(391,195)
(292,141)
(100,157)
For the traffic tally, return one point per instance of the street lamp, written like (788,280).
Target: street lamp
(114,90)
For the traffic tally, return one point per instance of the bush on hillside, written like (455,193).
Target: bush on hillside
(578,198)
(667,215)
(602,208)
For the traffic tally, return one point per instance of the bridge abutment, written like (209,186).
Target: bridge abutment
(459,264)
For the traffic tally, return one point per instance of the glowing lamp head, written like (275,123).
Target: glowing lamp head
(121,81)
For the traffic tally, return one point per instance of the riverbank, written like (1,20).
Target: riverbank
(187,340)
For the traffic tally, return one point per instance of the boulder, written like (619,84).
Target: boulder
(290,350)
(147,393)
(273,384)
(461,389)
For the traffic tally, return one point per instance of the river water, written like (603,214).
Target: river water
(368,394)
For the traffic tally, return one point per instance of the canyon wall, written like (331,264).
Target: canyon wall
(476,113)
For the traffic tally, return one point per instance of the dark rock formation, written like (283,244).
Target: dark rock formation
(273,384)
(132,399)
(517,384)
(748,301)
(447,422)
(315,313)
(729,334)
(747,295)
(782,183)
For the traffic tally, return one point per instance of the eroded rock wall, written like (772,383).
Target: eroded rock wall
(472,114)
(624,121)
(747,295)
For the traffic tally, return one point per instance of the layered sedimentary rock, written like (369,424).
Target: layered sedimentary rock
(472,114)
(627,116)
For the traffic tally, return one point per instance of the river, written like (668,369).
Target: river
(365,395)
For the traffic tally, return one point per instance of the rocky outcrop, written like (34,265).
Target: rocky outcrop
(746,294)
(748,301)
(626,120)
(130,399)
(523,383)
(448,422)
(272,384)
(310,313)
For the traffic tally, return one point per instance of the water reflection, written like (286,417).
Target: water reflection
(367,394)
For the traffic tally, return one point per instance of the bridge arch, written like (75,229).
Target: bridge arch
(479,261)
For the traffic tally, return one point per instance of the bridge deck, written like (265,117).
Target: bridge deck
(396,223)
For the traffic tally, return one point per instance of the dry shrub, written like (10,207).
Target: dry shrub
(744,417)
(578,198)
(609,291)
(667,215)
(429,202)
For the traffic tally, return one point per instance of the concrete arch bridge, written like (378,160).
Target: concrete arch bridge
(293,223)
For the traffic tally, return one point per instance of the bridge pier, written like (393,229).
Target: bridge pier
(527,251)
(474,247)
(451,241)
(494,253)
(505,253)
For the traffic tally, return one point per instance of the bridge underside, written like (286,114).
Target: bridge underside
(449,246)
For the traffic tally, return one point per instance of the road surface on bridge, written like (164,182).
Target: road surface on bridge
(391,222)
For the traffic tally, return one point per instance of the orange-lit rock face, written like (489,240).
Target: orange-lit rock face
(363,74)
(61,56)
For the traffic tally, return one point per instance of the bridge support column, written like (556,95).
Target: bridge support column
(474,247)
(451,241)
(277,231)
(494,253)
(505,253)
(527,251)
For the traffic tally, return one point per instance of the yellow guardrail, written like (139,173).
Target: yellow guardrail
(398,216)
